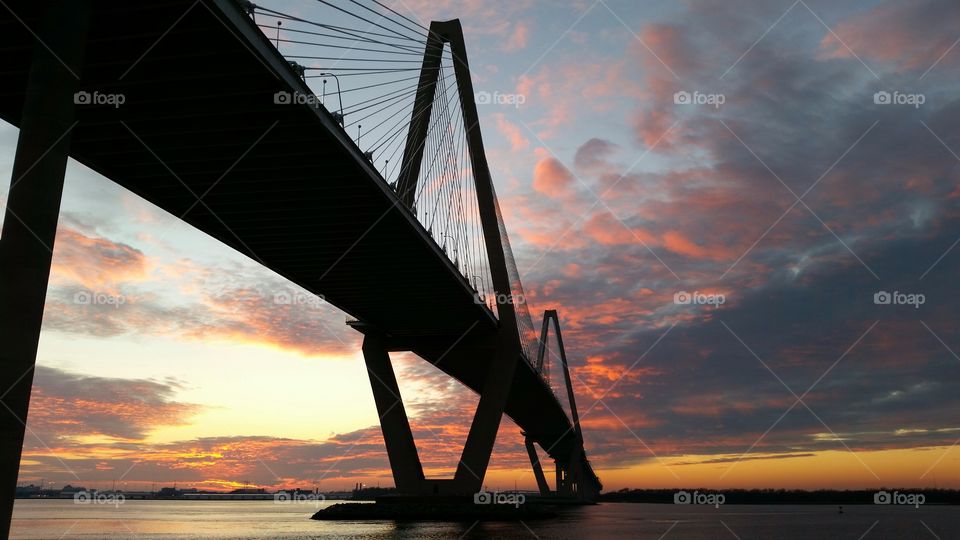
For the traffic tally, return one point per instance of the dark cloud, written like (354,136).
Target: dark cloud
(593,153)
(67,405)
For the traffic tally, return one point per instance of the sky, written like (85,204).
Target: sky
(717,196)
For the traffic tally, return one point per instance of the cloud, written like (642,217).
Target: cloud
(104,288)
(512,133)
(576,91)
(69,405)
(94,261)
(593,154)
(737,459)
(607,229)
(552,178)
(481,18)
(245,314)
(904,36)
(667,48)
(678,243)
(98,429)
(518,38)
(711,209)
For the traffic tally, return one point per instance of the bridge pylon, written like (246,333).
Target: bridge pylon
(498,353)
(495,359)
(574,475)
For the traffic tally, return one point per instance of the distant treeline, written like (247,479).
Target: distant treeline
(784,496)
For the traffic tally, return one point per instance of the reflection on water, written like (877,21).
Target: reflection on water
(36,519)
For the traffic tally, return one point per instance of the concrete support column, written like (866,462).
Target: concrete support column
(30,224)
(486,420)
(537,469)
(401,447)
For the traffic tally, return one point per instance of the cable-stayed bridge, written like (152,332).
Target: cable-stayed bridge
(342,151)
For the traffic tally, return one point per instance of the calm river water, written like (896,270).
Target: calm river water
(265,519)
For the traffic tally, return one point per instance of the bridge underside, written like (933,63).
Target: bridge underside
(199,136)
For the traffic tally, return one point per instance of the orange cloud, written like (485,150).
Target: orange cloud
(95,262)
(552,178)
(681,245)
(605,228)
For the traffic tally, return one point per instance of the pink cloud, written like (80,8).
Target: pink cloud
(569,92)
(518,39)
(606,229)
(905,35)
(512,133)
(652,124)
(665,47)
(95,262)
(552,178)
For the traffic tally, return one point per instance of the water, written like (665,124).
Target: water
(35,519)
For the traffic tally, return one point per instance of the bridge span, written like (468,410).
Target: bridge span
(211,131)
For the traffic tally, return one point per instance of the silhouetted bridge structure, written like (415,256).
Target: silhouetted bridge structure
(396,224)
